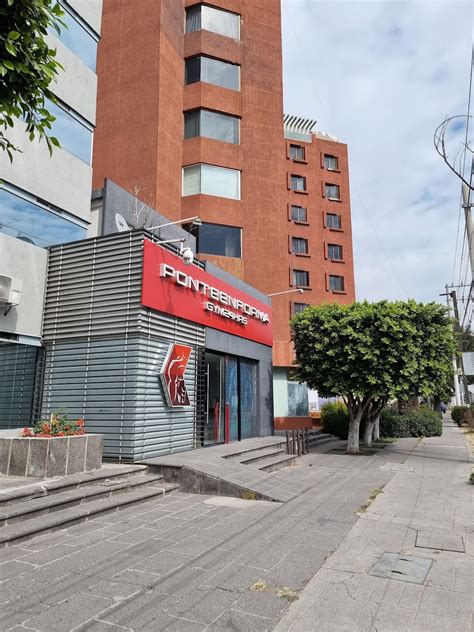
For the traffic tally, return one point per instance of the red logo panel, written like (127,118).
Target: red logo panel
(189,292)
(172,375)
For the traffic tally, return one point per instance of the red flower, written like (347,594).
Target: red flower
(26,432)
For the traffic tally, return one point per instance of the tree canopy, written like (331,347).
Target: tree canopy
(27,68)
(370,352)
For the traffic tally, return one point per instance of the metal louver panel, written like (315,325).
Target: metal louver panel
(105,350)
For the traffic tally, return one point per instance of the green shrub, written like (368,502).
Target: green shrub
(335,419)
(458,414)
(421,422)
(471,478)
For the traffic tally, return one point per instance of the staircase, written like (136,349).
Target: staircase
(55,504)
(267,458)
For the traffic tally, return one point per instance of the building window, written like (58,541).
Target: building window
(20,217)
(212,19)
(215,239)
(299,245)
(211,180)
(336,283)
(215,71)
(78,37)
(300,278)
(297,152)
(299,307)
(298,183)
(73,133)
(335,252)
(331,162)
(299,213)
(332,191)
(333,221)
(212,125)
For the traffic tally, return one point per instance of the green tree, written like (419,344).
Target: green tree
(27,68)
(367,353)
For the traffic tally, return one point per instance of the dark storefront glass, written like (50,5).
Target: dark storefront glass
(231,399)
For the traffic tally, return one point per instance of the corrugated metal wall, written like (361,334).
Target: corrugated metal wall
(104,350)
(20,380)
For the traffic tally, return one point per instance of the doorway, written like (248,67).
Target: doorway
(231,394)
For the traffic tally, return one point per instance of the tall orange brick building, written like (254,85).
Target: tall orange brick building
(190,116)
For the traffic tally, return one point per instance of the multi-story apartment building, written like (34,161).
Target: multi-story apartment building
(45,200)
(190,118)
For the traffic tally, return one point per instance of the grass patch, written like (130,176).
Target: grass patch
(247,494)
(284,592)
(373,495)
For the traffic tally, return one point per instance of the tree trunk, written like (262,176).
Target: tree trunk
(377,428)
(353,436)
(368,432)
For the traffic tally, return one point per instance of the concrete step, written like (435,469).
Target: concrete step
(323,440)
(12,533)
(263,453)
(49,503)
(45,487)
(242,452)
(271,464)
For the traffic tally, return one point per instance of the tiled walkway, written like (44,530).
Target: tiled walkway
(189,562)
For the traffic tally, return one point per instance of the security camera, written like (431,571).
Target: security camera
(300,290)
(188,256)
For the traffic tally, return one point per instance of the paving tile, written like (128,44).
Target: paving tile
(74,611)
(162,563)
(17,610)
(241,622)
(49,555)
(236,577)
(264,603)
(140,610)
(12,568)
(203,605)
(194,545)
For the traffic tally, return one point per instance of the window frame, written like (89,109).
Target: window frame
(298,221)
(200,57)
(296,271)
(298,253)
(201,192)
(305,182)
(336,291)
(329,197)
(200,5)
(296,158)
(224,226)
(327,225)
(336,158)
(330,257)
(200,112)
(295,311)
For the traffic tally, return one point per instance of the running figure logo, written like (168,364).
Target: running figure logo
(172,375)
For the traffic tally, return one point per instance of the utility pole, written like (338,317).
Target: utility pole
(467,206)
(457,392)
(467,398)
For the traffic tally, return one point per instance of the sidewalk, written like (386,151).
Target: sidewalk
(425,512)
(194,563)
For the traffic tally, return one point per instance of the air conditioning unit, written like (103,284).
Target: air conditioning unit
(10,291)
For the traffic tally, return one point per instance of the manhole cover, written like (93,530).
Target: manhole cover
(405,568)
(440,541)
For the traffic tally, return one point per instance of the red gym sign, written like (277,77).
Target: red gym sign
(186,291)
(172,375)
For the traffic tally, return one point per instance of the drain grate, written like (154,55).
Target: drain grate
(405,568)
(440,541)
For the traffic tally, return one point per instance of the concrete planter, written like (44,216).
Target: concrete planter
(45,457)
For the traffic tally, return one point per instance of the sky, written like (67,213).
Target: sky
(381,76)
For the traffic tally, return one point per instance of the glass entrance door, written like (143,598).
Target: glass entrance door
(214,425)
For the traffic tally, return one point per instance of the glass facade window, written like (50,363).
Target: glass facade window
(73,135)
(332,191)
(211,124)
(30,222)
(299,245)
(78,38)
(335,252)
(297,152)
(211,180)
(331,162)
(299,214)
(215,239)
(300,278)
(333,220)
(298,183)
(336,283)
(299,307)
(208,18)
(215,71)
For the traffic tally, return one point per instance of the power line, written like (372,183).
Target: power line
(308,70)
